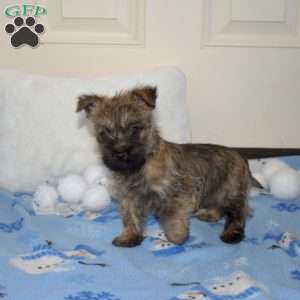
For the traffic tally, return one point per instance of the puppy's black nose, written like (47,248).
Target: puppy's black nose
(121,155)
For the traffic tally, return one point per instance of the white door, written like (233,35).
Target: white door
(241,57)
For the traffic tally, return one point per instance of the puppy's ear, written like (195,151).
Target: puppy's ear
(147,94)
(88,103)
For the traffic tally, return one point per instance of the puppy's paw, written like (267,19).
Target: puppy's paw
(233,235)
(127,242)
(210,215)
(177,238)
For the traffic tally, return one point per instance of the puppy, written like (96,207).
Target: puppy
(171,181)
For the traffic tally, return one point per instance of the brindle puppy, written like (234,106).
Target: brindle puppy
(172,181)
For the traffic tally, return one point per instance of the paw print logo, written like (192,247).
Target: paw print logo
(24,32)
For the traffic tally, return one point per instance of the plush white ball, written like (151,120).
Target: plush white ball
(271,167)
(96,198)
(72,188)
(285,184)
(95,174)
(45,196)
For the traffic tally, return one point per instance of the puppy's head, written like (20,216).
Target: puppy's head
(123,126)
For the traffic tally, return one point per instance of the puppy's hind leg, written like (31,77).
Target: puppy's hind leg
(235,223)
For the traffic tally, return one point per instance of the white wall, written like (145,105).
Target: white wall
(244,96)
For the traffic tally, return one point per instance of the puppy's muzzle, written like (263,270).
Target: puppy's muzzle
(124,159)
(122,155)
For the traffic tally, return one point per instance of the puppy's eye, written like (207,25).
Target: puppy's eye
(136,128)
(105,132)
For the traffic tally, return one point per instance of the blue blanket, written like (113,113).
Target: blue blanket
(53,258)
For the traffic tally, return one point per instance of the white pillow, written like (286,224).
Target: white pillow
(41,136)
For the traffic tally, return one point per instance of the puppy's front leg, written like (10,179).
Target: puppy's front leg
(176,227)
(133,219)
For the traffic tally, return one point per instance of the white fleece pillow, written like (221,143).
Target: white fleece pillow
(41,136)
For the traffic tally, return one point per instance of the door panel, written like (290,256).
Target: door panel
(241,57)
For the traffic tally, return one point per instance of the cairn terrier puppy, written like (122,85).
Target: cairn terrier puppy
(171,181)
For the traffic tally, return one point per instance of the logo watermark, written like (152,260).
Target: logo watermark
(25,29)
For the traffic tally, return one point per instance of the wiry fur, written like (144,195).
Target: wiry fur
(172,181)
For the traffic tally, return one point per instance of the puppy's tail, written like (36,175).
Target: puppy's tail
(252,153)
